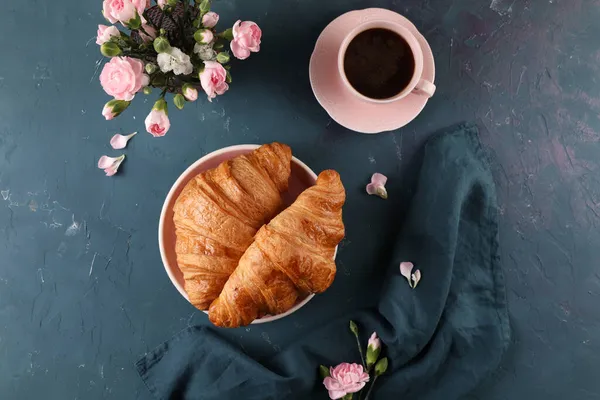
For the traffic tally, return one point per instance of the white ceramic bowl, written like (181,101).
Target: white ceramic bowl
(301,177)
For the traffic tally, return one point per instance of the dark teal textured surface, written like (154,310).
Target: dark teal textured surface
(78,309)
(441,338)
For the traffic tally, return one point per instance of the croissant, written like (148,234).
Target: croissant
(290,257)
(218,213)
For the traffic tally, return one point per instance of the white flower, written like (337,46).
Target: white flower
(176,61)
(205,52)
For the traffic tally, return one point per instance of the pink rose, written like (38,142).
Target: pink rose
(246,39)
(213,79)
(345,378)
(147,33)
(157,122)
(105,33)
(141,5)
(119,10)
(161,3)
(210,19)
(123,77)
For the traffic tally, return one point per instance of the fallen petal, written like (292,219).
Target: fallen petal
(379,179)
(120,141)
(406,269)
(377,185)
(106,162)
(416,277)
(110,165)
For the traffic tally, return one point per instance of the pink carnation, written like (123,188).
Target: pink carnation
(213,79)
(105,33)
(119,10)
(246,39)
(345,378)
(123,77)
(157,122)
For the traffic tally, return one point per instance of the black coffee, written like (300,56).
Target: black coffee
(379,63)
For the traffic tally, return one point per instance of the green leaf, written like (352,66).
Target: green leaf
(354,328)
(228,77)
(323,371)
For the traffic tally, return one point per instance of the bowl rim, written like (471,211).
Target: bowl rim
(177,184)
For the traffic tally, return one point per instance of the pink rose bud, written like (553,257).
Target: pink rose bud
(213,79)
(126,12)
(161,3)
(157,122)
(123,77)
(345,378)
(114,108)
(147,33)
(246,39)
(110,165)
(203,36)
(377,185)
(189,92)
(120,141)
(374,341)
(105,33)
(210,19)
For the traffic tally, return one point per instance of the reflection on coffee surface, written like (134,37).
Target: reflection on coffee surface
(379,63)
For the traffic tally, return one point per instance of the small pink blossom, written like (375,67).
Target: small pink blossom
(157,122)
(210,19)
(147,33)
(190,93)
(246,39)
(213,79)
(374,341)
(377,185)
(119,141)
(406,271)
(110,165)
(204,36)
(345,378)
(123,77)
(119,10)
(161,3)
(141,5)
(105,33)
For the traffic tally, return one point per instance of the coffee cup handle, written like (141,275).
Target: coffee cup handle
(424,88)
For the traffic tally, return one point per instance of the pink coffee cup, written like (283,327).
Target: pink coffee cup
(416,85)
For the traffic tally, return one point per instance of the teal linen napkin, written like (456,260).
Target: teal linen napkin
(441,338)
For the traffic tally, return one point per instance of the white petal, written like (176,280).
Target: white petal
(416,277)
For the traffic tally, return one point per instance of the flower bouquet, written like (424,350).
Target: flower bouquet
(172,46)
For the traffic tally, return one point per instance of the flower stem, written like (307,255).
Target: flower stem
(362,356)
(371,387)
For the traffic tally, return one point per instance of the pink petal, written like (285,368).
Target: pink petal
(110,165)
(334,394)
(379,179)
(405,269)
(416,277)
(120,141)
(106,162)
(110,171)
(377,185)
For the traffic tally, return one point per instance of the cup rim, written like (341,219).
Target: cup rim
(410,39)
(165,208)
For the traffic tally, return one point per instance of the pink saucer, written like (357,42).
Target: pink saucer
(346,109)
